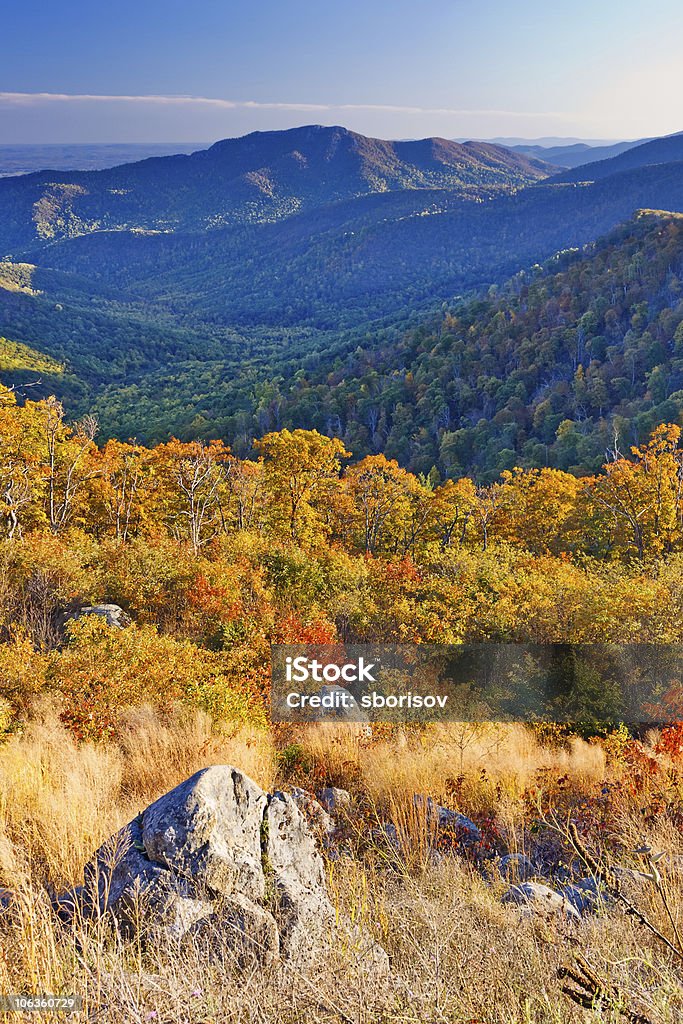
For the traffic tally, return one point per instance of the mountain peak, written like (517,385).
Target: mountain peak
(260,177)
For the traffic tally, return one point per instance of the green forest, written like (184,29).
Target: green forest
(556,367)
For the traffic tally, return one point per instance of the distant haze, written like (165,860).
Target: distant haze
(24,158)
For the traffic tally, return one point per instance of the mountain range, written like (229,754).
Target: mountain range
(27,158)
(263,177)
(653,151)
(574,154)
(190,293)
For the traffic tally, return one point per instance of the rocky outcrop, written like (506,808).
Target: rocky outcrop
(209,829)
(112,614)
(455,828)
(216,850)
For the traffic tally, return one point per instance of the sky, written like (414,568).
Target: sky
(165,70)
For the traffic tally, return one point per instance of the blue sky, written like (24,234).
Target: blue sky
(162,70)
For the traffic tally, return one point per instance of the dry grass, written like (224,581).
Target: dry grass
(458,955)
(421,760)
(59,801)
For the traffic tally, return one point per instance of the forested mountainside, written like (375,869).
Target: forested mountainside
(548,370)
(124,307)
(362,317)
(574,154)
(376,255)
(265,176)
(655,151)
(344,263)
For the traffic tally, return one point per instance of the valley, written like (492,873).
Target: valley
(316,278)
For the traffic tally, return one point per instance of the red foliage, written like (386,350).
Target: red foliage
(671,741)
(291,630)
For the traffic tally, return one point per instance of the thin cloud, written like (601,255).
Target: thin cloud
(36,98)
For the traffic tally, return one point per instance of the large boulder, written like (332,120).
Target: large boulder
(209,829)
(216,850)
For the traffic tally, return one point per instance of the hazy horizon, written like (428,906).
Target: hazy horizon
(544,140)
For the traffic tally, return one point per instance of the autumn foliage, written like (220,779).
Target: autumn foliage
(215,558)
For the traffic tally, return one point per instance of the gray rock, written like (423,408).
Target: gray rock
(386,835)
(121,874)
(174,915)
(209,829)
(215,851)
(462,828)
(334,799)
(295,871)
(249,929)
(67,904)
(516,867)
(539,898)
(6,899)
(582,900)
(113,614)
(142,896)
(587,895)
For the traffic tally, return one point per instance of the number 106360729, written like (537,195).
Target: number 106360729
(21,1003)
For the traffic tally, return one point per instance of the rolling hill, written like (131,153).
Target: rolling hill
(547,370)
(262,177)
(576,154)
(343,263)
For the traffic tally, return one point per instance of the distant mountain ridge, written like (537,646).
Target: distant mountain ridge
(575,155)
(360,258)
(654,151)
(259,178)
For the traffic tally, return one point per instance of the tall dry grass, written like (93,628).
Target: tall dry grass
(60,800)
(422,760)
(457,953)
